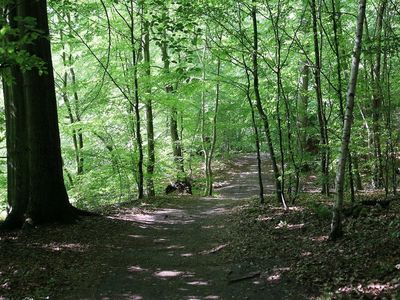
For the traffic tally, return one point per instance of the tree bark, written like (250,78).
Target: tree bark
(136,103)
(324,151)
(47,200)
(173,122)
(149,115)
(264,117)
(336,225)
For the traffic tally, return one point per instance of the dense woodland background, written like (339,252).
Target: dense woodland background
(151,92)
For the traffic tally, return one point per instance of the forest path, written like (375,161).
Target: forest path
(238,179)
(175,252)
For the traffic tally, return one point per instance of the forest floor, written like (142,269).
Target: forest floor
(226,247)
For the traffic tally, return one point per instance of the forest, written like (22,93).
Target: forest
(203,149)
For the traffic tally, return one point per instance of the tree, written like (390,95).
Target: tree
(336,225)
(33,135)
(278,184)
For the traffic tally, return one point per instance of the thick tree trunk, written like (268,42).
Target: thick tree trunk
(48,199)
(16,140)
(17,150)
(336,225)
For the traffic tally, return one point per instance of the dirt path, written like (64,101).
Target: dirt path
(172,253)
(166,253)
(239,179)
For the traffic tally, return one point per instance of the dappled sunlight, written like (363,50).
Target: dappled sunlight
(136,236)
(136,269)
(264,218)
(285,225)
(296,208)
(135,217)
(187,254)
(161,216)
(198,282)
(175,247)
(65,246)
(319,239)
(212,297)
(276,275)
(160,241)
(371,289)
(168,274)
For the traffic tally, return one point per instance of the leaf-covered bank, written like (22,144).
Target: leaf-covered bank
(293,247)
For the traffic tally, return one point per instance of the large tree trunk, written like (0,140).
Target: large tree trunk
(336,226)
(16,139)
(47,200)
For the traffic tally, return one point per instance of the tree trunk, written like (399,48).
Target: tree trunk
(47,200)
(173,122)
(16,141)
(139,142)
(336,225)
(149,116)
(377,97)
(256,136)
(279,192)
(210,181)
(324,151)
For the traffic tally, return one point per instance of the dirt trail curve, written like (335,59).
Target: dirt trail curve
(171,253)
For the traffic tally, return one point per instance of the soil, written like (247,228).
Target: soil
(175,251)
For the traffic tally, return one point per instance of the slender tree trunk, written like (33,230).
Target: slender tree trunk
(139,142)
(256,136)
(149,116)
(302,106)
(77,139)
(337,30)
(210,180)
(377,97)
(279,192)
(79,133)
(336,225)
(324,151)
(173,119)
